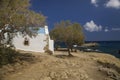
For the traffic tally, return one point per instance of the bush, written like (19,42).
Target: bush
(49,52)
(9,56)
(6,56)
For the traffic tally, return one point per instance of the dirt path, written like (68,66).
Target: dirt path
(80,67)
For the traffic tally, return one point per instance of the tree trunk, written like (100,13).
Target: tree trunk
(69,53)
(75,50)
(71,49)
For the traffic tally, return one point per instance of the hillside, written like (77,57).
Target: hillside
(83,66)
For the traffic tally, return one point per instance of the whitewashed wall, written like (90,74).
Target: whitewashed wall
(36,44)
(51,45)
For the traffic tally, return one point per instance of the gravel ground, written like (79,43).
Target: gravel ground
(82,66)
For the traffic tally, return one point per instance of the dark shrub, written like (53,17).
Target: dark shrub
(9,56)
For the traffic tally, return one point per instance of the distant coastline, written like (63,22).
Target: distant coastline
(104,41)
(110,47)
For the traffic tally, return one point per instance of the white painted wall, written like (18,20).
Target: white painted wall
(46,30)
(36,44)
(51,45)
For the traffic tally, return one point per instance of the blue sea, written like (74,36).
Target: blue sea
(110,47)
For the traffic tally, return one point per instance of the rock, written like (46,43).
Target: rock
(64,75)
(111,73)
(8,68)
(53,75)
(47,78)
(19,73)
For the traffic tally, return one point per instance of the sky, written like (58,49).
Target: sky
(100,19)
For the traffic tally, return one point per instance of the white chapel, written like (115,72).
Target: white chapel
(34,44)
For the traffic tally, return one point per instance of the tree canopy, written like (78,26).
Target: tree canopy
(69,33)
(16,16)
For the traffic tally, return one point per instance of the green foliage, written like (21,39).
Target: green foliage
(15,16)
(49,52)
(70,33)
(10,56)
(7,56)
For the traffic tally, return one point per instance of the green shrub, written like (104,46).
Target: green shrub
(49,52)
(6,56)
(9,56)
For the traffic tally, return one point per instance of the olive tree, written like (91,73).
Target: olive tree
(69,33)
(16,16)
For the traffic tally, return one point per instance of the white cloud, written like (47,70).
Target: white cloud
(91,26)
(94,2)
(106,30)
(113,4)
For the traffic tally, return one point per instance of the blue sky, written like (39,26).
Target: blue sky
(100,19)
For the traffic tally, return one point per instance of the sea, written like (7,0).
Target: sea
(107,47)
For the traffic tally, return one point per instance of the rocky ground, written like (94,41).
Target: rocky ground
(83,66)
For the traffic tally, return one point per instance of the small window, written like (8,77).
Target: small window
(26,42)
